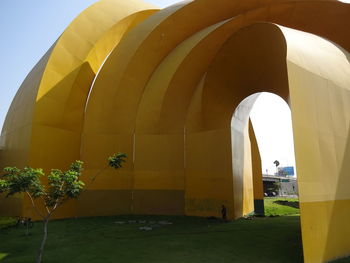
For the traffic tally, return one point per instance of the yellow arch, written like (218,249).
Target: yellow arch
(310,75)
(138,55)
(45,120)
(124,77)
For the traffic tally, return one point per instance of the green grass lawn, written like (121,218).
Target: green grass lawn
(188,239)
(281,206)
(7,222)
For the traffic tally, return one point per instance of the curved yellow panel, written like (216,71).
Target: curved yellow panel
(152,139)
(308,75)
(172,89)
(138,55)
(321,138)
(145,47)
(112,37)
(43,126)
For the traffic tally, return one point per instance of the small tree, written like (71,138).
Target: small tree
(61,187)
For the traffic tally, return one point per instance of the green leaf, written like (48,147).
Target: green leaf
(25,180)
(116,160)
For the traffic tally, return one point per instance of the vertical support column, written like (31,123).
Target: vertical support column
(320,111)
(258,188)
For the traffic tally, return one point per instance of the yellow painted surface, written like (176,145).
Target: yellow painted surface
(114,202)
(171,93)
(248,190)
(208,186)
(329,238)
(258,187)
(10,206)
(48,115)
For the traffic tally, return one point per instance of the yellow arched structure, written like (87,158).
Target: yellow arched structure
(163,87)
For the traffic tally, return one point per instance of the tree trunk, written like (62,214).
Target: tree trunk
(41,249)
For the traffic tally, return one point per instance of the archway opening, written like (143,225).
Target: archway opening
(264,167)
(272,122)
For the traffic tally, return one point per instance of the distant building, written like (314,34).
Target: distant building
(277,186)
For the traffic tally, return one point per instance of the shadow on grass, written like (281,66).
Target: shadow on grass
(343,260)
(294,204)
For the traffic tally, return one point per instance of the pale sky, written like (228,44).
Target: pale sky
(272,122)
(29,28)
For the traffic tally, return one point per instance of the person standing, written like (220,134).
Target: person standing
(223,212)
